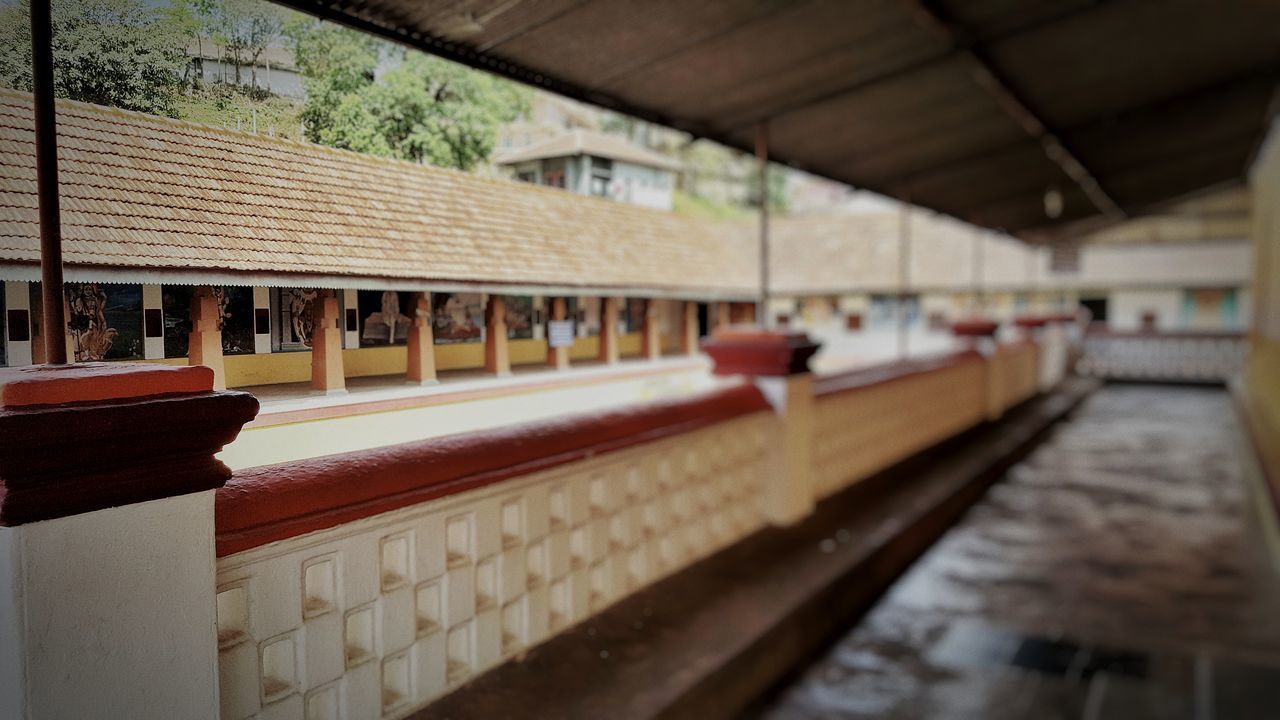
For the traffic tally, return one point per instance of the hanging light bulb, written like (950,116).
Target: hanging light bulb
(1053,203)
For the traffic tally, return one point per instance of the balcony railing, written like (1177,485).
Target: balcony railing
(1163,356)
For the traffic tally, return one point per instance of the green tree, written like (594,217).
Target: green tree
(193,20)
(108,52)
(245,29)
(423,108)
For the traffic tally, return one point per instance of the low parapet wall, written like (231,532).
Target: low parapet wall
(1197,357)
(868,419)
(377,581)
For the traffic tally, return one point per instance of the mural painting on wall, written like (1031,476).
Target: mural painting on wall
(105,321)
(385,316)
(590,314)
(296,320)
(635,315)
(520,317)
(456,317)
(571,309)
(235,319)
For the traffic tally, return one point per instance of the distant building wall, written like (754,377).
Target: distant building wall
(287,83)
(1127,309)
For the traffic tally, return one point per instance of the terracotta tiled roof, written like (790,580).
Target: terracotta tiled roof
(141,192)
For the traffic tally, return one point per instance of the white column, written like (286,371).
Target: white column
(115,617)
(17,296)
(350,301)
(262,301)
(540,309)
(152,347)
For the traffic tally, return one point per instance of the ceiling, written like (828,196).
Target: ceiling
(974,108)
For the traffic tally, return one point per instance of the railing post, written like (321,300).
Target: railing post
(421,368)
(609,331)
(497,359)
(204,343)
(327,374)
(651,340)
(689,329)
(778,363)
(107,477)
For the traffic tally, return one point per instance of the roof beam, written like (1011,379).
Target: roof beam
(1206,96)
(796,104)
(1014,105)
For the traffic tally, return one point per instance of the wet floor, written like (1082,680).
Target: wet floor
(1115,573)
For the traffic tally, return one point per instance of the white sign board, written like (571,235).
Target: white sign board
(560,333)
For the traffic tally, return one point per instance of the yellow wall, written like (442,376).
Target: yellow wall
(630,345)
(527,352)
(1263,370)
(587,348)
(460,356)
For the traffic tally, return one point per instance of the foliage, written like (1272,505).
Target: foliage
(422,108)
(683,203)
(244,28)
(237,107)
(108,52)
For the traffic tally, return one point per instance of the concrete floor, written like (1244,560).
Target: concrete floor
(1115,573)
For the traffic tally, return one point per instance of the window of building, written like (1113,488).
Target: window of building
(527,176)
(601,176)
(554,173)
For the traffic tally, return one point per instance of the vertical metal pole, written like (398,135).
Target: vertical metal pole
(54,323)
(904,275)
(762,156)
(979,302)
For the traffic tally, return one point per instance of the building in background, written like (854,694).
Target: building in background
(594,163)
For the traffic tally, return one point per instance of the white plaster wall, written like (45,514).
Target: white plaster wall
(644,186)
(110,614)
(1126,307)
(262,300)
(1227,263)
(17,296)
(432,595)
(152,347)
(350,301)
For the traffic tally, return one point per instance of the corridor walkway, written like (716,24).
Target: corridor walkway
(1115,573)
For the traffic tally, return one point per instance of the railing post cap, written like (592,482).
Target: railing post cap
(751,350)
(98,381)
(975,327)
(91,436)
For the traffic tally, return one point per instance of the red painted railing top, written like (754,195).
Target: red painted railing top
(275,502)
(880,374)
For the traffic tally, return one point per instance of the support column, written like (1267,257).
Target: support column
(497,359)
(651,340)
(107,568)
(421,369)
(724,316)
(204,344)
(609,330)
(558,357)
(689,329)
(326,346)
(778,363)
